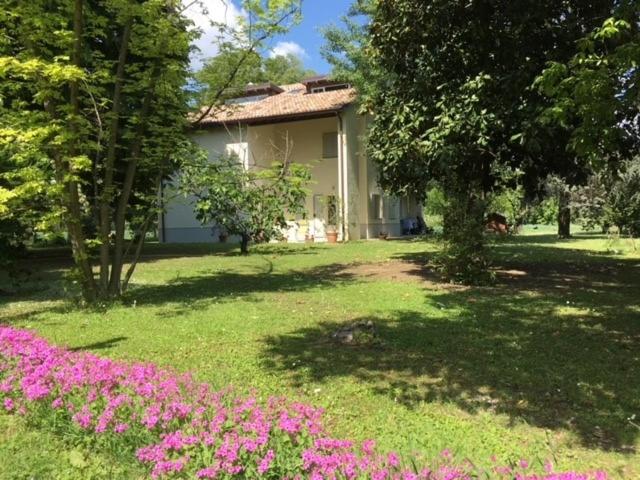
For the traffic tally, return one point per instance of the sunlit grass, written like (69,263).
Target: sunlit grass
(540,367)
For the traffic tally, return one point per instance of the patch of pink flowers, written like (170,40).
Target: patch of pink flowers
(184,429)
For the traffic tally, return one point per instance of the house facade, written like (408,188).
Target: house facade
(314,123)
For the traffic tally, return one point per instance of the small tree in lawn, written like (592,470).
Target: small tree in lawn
(623,199)
(250,203)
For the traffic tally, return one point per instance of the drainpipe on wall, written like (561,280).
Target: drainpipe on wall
(343,182)
(161,233)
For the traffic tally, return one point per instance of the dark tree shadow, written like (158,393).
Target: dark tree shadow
(553,343)
(105,344)
(192,292)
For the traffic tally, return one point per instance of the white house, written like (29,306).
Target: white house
(317,124)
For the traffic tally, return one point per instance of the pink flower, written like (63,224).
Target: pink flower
(180,423)
(265,463)
(393,459)
(121,427)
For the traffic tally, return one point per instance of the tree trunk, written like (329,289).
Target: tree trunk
(115,283)
(74,210)
(464,258)
(564,216)
(107,190)
(244,244)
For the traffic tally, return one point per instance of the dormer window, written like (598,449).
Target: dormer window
(330,88)
(254,93)
(323,83)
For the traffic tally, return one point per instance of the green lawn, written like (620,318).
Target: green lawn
(543,365)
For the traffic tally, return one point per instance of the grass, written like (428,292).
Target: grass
(543,365)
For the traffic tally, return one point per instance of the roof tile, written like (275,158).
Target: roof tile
(293,102)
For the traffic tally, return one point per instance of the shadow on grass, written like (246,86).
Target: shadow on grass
(193,292)
(103,345)
(554,344)
(43,269)
(566,373)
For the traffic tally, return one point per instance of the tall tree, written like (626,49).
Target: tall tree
(450,97)
(254,68)
(94,111)
(595,94)
(284,69)
(593,99)
(99,86)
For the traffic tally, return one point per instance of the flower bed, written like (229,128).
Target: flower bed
(184,429)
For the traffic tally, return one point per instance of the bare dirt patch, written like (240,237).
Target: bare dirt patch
(400,271)
(519,276)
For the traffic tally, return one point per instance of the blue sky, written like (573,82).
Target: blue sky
(304,40)
(316,14)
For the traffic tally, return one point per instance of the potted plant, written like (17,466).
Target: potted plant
(334,218)
(332,234)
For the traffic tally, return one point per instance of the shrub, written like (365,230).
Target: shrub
(184,429)
(623,202)
(510,203)
(543,213)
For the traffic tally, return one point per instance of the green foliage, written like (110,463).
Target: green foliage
(93,117)
(588,203)
(510,203)
(285,69)
(253,203)
(233,63)
(435,201)
(594,93)
(463,258)
(242,49)
(544,212)
(623,199)
(245,67)
(448,85)
(347,49)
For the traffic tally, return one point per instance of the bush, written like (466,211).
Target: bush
(543,213)
(510,203)
(623,200)
(464,258)
(183,429)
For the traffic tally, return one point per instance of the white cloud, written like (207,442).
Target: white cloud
(204,14)
(288,48)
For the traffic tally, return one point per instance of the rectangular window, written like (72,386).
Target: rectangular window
(392,208)
(330,145)
(376,206)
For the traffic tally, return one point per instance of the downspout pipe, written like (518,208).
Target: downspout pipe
(162,232)
(344,189)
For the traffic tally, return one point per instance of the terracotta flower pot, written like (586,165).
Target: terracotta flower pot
(332,237)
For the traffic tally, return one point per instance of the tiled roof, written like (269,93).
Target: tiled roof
(293,103)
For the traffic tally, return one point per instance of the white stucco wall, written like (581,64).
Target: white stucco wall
(303,142)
